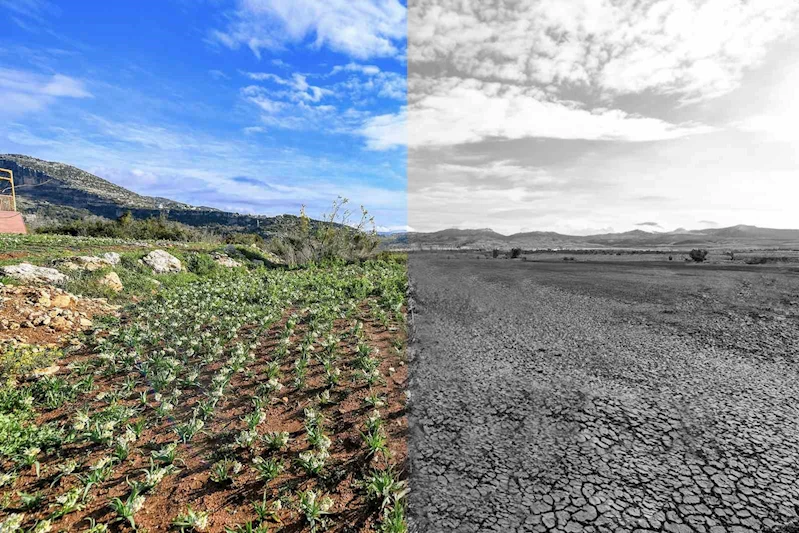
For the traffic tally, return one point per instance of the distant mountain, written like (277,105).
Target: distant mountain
(59,191)
(733,237)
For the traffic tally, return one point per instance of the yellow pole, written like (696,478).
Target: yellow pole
(10,179)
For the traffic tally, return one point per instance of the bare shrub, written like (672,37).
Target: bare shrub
(333,239)
(698,255)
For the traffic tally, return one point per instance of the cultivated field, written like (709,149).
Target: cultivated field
(603,396)
(229,396)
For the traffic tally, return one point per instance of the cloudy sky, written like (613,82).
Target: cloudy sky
(245,105)
(587,116)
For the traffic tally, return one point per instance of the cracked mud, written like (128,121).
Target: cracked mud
(603,397)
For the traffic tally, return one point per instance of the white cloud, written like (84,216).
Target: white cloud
(457,111)
(34,9)
(384,132)
(369,70)
(360,29)
(23,91)
(218,75)
(200,168)
(294,103)
(258,96)
(301,89)
(776,111)
(694,49)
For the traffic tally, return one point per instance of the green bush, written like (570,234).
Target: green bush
(201,264)
(247,239)
(332,240)
(127,227)
(17,359)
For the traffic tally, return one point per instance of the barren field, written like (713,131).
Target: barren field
(624,396)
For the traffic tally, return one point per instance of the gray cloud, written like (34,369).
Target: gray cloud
(584,114)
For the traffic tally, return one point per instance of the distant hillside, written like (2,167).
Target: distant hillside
(58,191)
(484,239)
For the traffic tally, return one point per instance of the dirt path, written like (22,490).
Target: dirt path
(549,397)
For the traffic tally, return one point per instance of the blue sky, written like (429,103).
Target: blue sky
(253,106)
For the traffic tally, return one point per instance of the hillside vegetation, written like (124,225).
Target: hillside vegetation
(228,393)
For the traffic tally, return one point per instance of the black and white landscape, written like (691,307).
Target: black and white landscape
(604,266)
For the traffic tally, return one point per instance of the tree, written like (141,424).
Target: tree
(698,255)
(125,219)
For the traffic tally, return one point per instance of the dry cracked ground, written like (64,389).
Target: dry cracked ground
(603,397)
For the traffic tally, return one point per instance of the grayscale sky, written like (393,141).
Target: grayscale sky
(587,116)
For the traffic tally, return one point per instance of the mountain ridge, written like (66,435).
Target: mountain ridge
(740,235)
(54,187)
(46,186)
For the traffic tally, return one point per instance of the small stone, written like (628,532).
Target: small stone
(59,323)
(48,371)
(63,301)
(162,262)
(112,258)
(33,274)
(112,281)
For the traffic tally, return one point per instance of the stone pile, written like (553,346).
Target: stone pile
(51,308)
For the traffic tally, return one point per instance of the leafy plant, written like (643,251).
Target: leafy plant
(313,462)
(126,509)
(29,502)
(188,430)
(69,502)
(276,440)
(191,520)
(314,508)
(268,469)
(224,470)
(382,486)
(393,520)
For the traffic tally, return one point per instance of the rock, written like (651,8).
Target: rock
(64,301)
(112,258)
(112,281)
(68,265)
(33,274)
(59,323)
(225,260)
(89,262)
(162,262)
(85,323)
(42,372)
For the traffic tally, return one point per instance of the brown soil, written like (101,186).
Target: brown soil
(17,304)
(232,504)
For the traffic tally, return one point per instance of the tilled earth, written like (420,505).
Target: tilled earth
(612,397)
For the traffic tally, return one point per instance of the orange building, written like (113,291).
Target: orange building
(10,219)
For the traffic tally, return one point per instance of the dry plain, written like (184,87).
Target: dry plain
(603,395)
